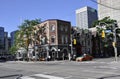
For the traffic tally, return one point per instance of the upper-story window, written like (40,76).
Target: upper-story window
(52,39)
(66,29)
(61,28)
(66,39)
(52,27)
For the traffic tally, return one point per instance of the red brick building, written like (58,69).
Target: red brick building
(57,41)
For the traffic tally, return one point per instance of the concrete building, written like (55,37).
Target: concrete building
(109,8)
(85,17)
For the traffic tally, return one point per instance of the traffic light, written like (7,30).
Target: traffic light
(74,41)
(103,34)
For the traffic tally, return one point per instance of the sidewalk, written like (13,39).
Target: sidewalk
(110,59)
(95,60)
(38,61)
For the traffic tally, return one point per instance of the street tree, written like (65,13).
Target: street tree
(24,35)
(105,36)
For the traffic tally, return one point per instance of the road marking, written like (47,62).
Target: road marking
(42,76)
(26,77)
(48,76)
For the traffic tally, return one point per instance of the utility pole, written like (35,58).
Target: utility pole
(71,48)
(114,43)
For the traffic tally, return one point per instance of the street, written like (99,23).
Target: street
(104,68)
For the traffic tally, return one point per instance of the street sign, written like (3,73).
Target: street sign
(108,31)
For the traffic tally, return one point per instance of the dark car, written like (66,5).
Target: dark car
(3,59)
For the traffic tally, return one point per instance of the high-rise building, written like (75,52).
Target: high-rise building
(3,41)
(109,8)
(6,41)
(85,17)
(2,38)
(12,34)
(9,42)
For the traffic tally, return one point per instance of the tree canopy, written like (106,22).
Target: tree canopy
(23,35)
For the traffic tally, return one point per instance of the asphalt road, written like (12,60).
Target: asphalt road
(105,68)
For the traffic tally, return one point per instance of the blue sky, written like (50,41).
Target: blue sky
(14,12)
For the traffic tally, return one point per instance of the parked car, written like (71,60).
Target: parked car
(3,59)
(84,57)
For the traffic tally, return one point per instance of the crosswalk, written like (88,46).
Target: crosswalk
(41,76)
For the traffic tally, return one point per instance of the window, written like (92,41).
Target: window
(61,28)
(53,39)
(19,54)
(33,53)
(52,27)
(62,39)
(66,28)
(66,39)
(43,40)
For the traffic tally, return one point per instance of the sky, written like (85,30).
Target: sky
(14,12)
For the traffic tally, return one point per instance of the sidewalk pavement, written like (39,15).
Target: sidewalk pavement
(96,60)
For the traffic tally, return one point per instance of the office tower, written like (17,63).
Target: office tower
(6,41)
(109,8)
(13,37)
(2,38)
(85,17)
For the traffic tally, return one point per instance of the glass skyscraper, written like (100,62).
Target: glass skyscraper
(2,37)
(13,37)
(85,17)
(109,8)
